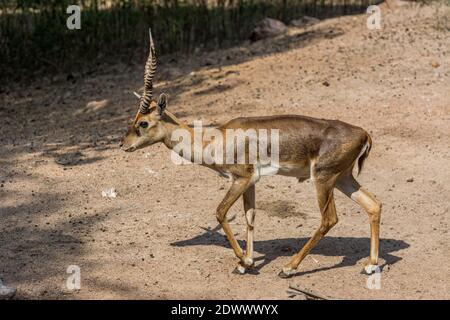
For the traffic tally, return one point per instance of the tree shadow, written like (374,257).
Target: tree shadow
(236,55)
(35,247)
(352,249)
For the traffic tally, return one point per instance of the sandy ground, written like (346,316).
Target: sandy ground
(159,238)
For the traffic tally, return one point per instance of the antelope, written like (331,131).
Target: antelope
(324,151)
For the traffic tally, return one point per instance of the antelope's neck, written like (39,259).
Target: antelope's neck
(185,141)
(170,129)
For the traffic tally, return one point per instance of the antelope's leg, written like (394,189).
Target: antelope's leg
(329,219)
(250,211)
(238,187)
(352,189)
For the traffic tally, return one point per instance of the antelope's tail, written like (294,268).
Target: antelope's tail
(364,152)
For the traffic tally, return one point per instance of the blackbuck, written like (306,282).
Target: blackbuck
(324,151)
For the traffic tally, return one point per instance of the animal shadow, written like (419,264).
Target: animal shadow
(352,249)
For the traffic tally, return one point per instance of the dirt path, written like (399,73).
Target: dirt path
(159,237)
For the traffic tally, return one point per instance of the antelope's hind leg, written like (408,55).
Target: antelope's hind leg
(325,197)
(352,189)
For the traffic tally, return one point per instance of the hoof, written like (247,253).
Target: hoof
(239,270)
(371,268)
(247,262)
(286,273)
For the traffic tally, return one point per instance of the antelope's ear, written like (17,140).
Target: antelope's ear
(162,103)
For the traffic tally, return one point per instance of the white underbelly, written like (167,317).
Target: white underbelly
(284,169)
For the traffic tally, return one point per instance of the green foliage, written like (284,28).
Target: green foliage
(33,33)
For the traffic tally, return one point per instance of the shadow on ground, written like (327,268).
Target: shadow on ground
(237,55)
(350,248)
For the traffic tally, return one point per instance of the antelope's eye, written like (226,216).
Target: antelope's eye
(143,124)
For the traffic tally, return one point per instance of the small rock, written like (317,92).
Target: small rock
(267,28)
(109,193)
(326,83)
(410,180)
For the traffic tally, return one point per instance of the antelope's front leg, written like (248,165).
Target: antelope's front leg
(238,187)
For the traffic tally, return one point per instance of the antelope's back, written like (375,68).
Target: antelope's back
(303,138)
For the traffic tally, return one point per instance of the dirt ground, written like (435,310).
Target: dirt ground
(159,239)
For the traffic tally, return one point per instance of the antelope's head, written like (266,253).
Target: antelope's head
(147,127)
